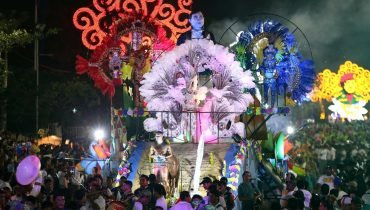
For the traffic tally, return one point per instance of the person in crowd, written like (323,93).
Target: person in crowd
(226,194)
(184,203)
(247,192)
(315,202)
(143,201)
(327,178)
(301,186)
(117,190)
(160,194)
(95,199)
(144,185)
(366,197)
(128,198)
(59,201)
(196,201)
(214,201)
(206,183)
(300,199)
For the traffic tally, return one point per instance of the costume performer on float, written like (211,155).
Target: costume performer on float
(165,163)
(197,31)
(268,70)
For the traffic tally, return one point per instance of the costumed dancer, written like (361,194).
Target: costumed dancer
(164,160)
(268,69)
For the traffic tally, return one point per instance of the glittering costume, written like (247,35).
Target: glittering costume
(267,47)
(268,69)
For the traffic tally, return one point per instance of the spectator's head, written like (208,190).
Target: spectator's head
(301,184)
(144,181)
(329,170)
(214,197)
(158,208)
(223,179)
(247,176)
(145,197)
(59,200)
(152,179)
(127,186)
(221,186)
(324,189)
(92,184)
(206,182)
(196,200)
(185,196)
(99,179)
(334,193)
(315,202)
(49,184)
(159,191)
(122,180)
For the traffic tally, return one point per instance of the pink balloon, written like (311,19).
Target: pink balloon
(28,170)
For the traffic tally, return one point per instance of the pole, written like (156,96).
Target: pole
(36,66)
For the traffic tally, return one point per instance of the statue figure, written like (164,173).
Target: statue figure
(141,65)
(165,164)
(269,72)
(197,31)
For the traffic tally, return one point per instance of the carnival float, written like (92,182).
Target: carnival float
(208,101)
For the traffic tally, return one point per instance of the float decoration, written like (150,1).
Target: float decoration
(95,22)
(236,166)
(271,52)
(349,90)
(174,92)
(115,60)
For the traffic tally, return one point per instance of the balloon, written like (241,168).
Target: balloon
(37,186)
(28,170)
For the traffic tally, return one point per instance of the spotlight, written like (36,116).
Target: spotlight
(290,130)
(99,134)
(237,138)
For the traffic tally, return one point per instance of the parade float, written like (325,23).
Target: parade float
(210,103)
(348,90)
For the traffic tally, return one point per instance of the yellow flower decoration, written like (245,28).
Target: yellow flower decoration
(328,84)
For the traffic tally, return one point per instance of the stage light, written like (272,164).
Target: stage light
(99,134)
(290,129)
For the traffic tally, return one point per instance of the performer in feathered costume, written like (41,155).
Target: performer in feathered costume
(268,48)
(105,60)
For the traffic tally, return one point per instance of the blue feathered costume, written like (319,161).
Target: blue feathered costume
(269,48)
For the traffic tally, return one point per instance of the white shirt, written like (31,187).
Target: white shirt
(366,198)
(161,202)
(325,179)
(182,205)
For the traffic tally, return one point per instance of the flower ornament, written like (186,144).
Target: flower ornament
(197,76)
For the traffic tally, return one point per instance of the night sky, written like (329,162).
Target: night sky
(336,30)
